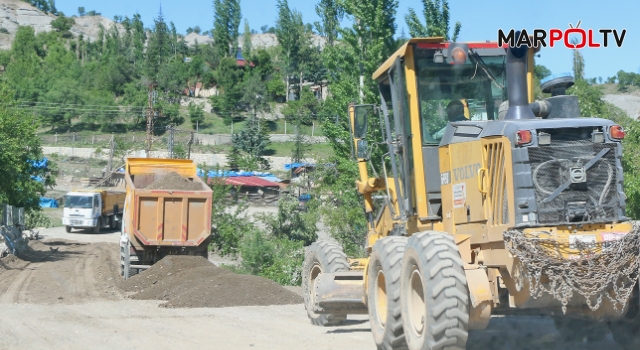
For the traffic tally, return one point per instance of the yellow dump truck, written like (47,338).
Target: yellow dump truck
(163,217)
(92,209)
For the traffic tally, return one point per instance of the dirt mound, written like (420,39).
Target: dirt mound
(173,181)
(192,281)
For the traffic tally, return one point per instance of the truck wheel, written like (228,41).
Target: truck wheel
(112,222)
(125,261)
(322,256)
(98,226)
(68,229)
(626,331)
(434,295)
(383,292)
(577,330)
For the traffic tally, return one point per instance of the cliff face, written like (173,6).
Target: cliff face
(14,13)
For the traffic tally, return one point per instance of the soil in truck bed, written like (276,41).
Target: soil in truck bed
(173,181)
(192,281)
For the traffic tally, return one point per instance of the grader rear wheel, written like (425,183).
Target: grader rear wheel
(434,296)
(383,290)
(322,256)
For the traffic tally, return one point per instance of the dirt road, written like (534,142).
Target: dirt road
(67,296)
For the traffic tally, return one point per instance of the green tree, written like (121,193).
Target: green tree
(367,42)
(226,21)
(253,140)
(196,115)
(246,41)
(228,219)
(301,146)
(21,72)
(290,33)
(292,223)
(44,5)
(254,94)
(304,110)
(19,146)
(330,14)
(541,71)
(159,46)
(578,62)
(436,14)
(229,77)
(63,24)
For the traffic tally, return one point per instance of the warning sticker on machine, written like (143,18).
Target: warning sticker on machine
(586,240)
(609,237)
(459,195)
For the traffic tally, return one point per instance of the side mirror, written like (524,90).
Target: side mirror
(361,117)
(362,149)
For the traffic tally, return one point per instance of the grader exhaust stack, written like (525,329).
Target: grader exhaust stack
(517,83)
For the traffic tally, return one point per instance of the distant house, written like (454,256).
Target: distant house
(240,61)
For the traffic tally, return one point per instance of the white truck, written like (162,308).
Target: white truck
(93,209)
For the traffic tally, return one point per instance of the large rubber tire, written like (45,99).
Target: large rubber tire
(126,263)
(383,291)
(98,226)
(626,331)
(320,257)
(574,330)
(68,229)
(434,295)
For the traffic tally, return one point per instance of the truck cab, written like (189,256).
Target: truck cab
(88,210)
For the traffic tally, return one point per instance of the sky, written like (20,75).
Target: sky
(480,21)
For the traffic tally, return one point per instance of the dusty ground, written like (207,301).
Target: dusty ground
(71,299)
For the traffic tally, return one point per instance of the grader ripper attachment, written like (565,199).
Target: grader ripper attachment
(490,203)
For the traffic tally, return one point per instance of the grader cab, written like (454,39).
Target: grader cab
(484,202)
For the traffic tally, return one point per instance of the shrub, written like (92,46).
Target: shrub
(36,218)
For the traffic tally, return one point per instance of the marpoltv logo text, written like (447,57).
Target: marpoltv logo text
(572,38)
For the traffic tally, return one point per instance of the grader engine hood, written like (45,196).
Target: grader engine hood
(565,171)
(568,174)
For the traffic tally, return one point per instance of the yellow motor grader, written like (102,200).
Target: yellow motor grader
(487,202)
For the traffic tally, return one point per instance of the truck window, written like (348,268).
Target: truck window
(96,203)
(77,202)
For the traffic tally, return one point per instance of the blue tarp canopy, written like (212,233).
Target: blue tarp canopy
(229,173)
(39,164)
(271,178)
(297,165)
(48,203)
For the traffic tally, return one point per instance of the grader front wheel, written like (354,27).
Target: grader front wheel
(322,256)
(626,331)
(384,293)
(435,303)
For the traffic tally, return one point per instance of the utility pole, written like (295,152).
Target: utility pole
(190,143)
(150,116)
(111,150)
(171,131)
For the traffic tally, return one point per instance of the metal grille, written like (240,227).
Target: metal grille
(494,153)
(575,182)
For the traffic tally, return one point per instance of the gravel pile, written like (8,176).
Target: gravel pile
(193,281)
(173,181)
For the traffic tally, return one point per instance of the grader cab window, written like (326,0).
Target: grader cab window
(458,92)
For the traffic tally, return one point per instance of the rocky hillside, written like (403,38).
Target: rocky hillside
(628,103)
(257,40)
(14,13)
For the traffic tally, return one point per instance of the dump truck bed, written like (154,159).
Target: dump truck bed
(165,217)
